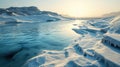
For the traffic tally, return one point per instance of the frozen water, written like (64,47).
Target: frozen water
(26,40)
(87,50)
(32,39)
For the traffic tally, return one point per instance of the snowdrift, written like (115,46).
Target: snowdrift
(87,51)
(97,46)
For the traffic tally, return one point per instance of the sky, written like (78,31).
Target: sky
(74,8)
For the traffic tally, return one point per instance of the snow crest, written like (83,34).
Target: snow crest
(87,51)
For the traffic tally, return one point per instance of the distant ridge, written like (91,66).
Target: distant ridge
(112,14)
(15,11)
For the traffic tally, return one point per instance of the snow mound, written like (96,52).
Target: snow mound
(78,63)
(115,25)
(88,50)
(59,59)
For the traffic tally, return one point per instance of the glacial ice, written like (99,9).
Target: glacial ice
(89,48)
(97,45)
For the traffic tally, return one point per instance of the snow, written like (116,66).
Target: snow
(113,37)
(87,50)
(6,20)
(58,59)
(39,44)
(27,14)
(110,57)
(109,53)
(115,25)
(31,18)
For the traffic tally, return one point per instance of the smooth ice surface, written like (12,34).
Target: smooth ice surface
(54,34)
(25,40)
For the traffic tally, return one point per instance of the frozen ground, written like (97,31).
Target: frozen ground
(86,51)
(33,38)
(24,40)
(25,36)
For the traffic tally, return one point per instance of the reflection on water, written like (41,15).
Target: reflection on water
(25,40)
(45,34)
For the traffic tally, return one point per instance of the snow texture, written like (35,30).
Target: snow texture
(89,50)
(97,46)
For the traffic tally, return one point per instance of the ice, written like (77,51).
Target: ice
(78,63)
(58,59)
(113,38)
(115,25)
(4,20)
(88,50)
(24,11)
(27,14)
(39,41)
(11,51)
(22,41)
(108,57)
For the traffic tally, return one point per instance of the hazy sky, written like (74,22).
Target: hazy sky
(76,8)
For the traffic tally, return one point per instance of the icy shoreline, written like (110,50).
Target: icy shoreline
(23,37)
(86,51)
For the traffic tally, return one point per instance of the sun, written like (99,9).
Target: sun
(80,9)
(76,9)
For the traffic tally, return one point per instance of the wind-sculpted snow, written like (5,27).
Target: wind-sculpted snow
(59,59)
(22,41)
(88,50)
(115,25)
(35,44)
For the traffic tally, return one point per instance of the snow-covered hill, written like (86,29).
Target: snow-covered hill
(112,14)
(27,14)
(23,11)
